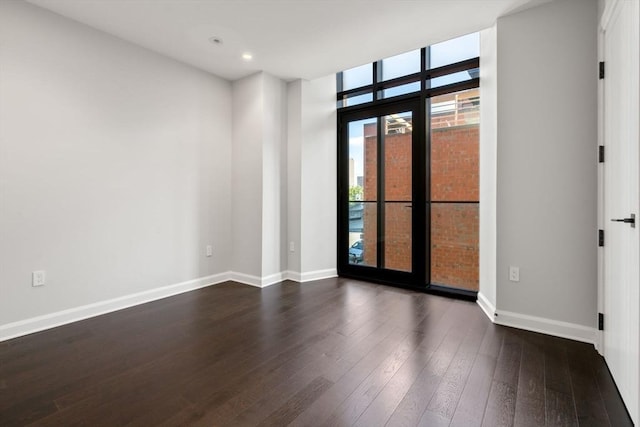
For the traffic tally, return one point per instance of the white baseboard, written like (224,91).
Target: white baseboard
(258,282)
(261,282)
(52,320)
(599,344)
(310,276)
(318,274)
(538,324)
(292,275)
(245,279)
(272,279)
(486,306)
(546,326)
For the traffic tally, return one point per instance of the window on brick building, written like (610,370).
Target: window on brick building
(409,168)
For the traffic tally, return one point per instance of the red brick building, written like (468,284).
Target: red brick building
(454,192)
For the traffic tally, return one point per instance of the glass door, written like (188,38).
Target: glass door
(453,199)
(379,213)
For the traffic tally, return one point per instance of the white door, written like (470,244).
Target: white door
(621,105)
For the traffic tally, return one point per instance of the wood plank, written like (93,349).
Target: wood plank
(616,410)
(254,388)
(381,409)
(337,351)
(560,409)
(474,397)
(350,410)
(501,403)
(415,401)
(445,400)
(298,403)
(530,405)
(590,407)
(556,369)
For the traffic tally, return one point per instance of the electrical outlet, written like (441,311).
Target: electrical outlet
(514,274)
(292,247)
(38,278)
(209,250)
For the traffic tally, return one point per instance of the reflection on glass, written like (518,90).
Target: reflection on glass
(401,90)
(357,77)
(455,245)
(398,191)
(363,233)
(401,65)
(363,188)
(363,156)
(456,109)
(355,100)
(454,78)
(455,50)
(397,157)
(455,137)
(398,236)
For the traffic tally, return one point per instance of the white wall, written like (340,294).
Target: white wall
(259,211)
(294,161)
(114,166)
(247,175)
(546,200)
(318,178)
(488,168)
(274,186)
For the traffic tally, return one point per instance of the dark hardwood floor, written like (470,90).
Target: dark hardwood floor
(335,352)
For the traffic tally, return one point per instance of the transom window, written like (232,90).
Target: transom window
(433,69)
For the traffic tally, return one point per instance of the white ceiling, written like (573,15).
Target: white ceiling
(288,38)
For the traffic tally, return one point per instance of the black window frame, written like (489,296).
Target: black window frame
(423,166)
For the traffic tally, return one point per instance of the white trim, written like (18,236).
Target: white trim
(318,274)
(599,344)
(486,306)
(258,282)
(309,276)
(245,279)
(52,320)
(538,324)
(292,275)
(546,326)
(272,279)
(610,8)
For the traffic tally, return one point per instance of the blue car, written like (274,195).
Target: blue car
(356,252)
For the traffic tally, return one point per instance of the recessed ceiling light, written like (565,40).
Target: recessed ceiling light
(247,56)
(215,40)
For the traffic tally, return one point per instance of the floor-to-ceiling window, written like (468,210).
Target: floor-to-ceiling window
(408,168)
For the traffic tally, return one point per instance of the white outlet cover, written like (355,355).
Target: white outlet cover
(514,274)
(38,278)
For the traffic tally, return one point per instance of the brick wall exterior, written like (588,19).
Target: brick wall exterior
(455,163)
(370,228)
(454,245)
(454,227)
